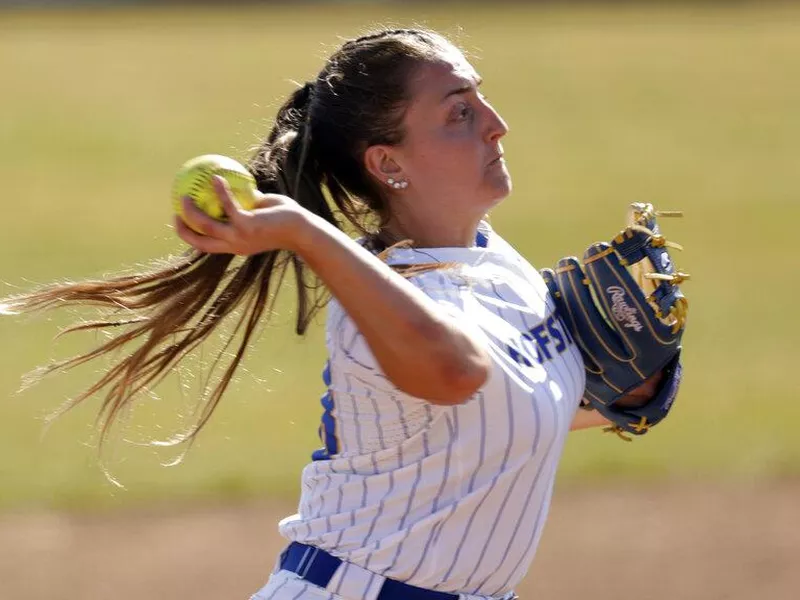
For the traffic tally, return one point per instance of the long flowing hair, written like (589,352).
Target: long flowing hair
(313,153)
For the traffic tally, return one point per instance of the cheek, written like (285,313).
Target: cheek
(448,161)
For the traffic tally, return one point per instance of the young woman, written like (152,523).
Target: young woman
(451,380)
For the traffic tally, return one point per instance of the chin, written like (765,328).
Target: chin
(500,189)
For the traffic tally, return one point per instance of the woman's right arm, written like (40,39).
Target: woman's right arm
(422,350)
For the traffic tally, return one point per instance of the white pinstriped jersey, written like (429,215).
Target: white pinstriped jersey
(450,498)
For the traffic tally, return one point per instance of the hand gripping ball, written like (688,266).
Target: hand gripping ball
(193,179)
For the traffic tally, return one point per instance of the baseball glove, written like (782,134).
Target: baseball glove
(627,313)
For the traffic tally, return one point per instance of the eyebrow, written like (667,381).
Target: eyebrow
(464,88)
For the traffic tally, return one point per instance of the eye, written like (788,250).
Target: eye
(461,112)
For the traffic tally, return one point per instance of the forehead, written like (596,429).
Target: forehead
(433,80)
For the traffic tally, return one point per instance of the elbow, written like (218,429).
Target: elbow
(464,381)
(460,368)
(456,380)
(441,365)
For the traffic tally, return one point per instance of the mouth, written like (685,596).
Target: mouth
(496,161)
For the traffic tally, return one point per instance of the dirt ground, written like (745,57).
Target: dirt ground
(670,542)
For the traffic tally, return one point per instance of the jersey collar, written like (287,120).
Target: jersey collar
(480,252)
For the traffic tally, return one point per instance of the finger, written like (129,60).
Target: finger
(549,277)
(230,206)
(192,215)
(202,223)
(596,335)
(186,233)
(562,310)
(623,300)
(201,242)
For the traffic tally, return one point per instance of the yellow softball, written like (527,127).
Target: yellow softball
(193,179)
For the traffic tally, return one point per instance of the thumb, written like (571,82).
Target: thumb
(270,200)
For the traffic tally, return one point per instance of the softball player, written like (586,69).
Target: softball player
(424,488)
(451,381)
(446,498)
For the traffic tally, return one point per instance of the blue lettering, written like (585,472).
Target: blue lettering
(539,357)
(517,356)
(552,331)
(527,337)
(541,338)
(555,334)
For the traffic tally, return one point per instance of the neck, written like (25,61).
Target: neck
(431,234)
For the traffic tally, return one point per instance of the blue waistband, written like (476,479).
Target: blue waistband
(317,566)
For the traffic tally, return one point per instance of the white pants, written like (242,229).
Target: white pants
(285,585)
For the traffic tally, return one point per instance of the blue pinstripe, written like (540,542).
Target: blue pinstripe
(356,422)
(343,577)
(535,447)
(411,496)
(378,426)
(481,400)
(378,516)
(429,415)
(402,412)
(277,589)
(525,555)
(490,488)
(435,505)
(501,512)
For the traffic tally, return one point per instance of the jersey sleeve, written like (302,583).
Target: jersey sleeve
(349,351)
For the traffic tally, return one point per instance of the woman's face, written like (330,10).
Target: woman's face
(451,154)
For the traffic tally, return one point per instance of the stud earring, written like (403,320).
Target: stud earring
(398,185)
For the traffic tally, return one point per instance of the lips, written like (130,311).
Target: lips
(498,156)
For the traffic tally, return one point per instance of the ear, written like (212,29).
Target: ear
(379,160)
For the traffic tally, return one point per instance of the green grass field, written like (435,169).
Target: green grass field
(687,108)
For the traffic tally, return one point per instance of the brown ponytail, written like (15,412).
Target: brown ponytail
(314,153)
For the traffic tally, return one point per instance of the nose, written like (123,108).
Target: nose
(496,126)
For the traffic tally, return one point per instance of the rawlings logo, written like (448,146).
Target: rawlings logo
(622,312)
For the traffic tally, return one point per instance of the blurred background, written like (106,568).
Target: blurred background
(687,105)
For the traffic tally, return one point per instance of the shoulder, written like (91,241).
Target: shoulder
(513,259)
(499,244)
(445,280)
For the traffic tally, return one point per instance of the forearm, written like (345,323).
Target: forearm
(423,351)
(584,419)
